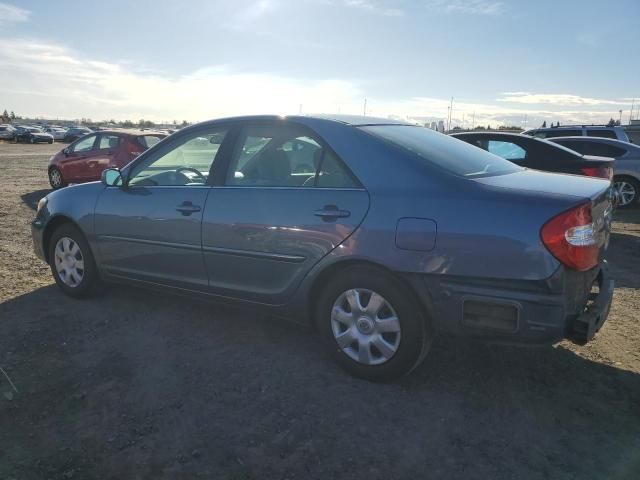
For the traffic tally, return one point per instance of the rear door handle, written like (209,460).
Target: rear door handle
(187,208)
(331,212)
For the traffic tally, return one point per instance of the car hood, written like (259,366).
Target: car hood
(547,182)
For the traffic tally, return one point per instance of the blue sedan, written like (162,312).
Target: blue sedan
(381,234)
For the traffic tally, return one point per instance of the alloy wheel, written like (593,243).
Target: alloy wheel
(69,261)
(55,178)
(626,192)
(365,326)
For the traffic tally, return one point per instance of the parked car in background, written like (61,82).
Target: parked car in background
(626,170)
(33,135)
(74,133)
(58,133)
(600,131)
(86,158)
(7,132)
(383,234)
(539,154)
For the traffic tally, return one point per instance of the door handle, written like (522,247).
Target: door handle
(331,212)
(187,208)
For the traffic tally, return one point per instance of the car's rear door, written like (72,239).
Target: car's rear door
(285,202)
(150,229)
(101,157)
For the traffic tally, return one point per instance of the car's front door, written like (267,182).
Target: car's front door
(74,163)
(286,202)
(150,228)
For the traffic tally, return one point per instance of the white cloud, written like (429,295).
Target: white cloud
(251,13)
(474,7)
(554,99)
(47,80)
(11,13)
(376,7)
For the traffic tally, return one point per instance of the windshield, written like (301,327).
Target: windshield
(453,155)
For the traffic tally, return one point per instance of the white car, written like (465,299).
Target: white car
(56,132)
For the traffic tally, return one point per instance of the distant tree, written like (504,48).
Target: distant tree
(5,116)
(184,123)
(175,122)
(611,122)
(12,115)
(488,127)
(544,124)
(127,124)
(618,122)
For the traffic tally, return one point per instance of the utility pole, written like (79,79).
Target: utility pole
(365,106)
(450,114)
(633,101)
(525,121)
(620,117)
(473,121)
(463,121)
(300,111)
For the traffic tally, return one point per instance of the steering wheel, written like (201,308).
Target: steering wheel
(192,170)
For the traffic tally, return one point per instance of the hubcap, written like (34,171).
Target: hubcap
(626,192)
(365,326)
(56,180)
(69,262)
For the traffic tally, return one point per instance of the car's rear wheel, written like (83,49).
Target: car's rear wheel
(628,191)
(55,178)
(72,263)
(50,141)
(371,324)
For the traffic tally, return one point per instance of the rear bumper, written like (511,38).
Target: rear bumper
(571,305)
(584,327)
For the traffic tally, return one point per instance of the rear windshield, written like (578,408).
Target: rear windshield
(148,141)
(455,156)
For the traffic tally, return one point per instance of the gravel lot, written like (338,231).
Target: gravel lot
(134,384)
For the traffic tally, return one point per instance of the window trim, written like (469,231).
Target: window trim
(96,145)
(306,131)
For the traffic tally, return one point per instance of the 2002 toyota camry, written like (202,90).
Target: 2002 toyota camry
(382,234)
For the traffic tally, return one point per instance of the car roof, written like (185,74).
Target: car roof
(358,120)
(131,132)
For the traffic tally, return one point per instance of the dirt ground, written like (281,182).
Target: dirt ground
(134,384)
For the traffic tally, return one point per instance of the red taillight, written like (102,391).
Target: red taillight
(600,172)
(571,238)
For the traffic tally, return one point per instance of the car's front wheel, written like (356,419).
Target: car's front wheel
(371,324)
(55,178)
(72,263)
(628,190)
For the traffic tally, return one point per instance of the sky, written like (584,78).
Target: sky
(503,62)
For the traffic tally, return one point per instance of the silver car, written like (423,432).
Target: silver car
(7,132)
(615,132)
(626,175)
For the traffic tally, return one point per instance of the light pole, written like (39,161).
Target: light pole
(620,121)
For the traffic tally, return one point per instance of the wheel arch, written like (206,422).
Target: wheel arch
(320,279)
(53,224)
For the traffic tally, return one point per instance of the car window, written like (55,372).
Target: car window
(108,142)
(602,133)
(443,151)
(147,141)
(187,163)
(84,145)
(284,156)
(558,133)
(594,148)
(506,150)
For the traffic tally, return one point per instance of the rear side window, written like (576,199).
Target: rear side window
(601,133)
(147,141)
(507,150)
(443,151)
(280,155)
(108,142)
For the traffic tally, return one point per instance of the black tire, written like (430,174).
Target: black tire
(90,279)
(633,183)
(52,179)
(416,333)
(50,141)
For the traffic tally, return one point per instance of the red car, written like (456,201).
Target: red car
(86,158)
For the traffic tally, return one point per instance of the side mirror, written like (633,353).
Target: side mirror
(111,177)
